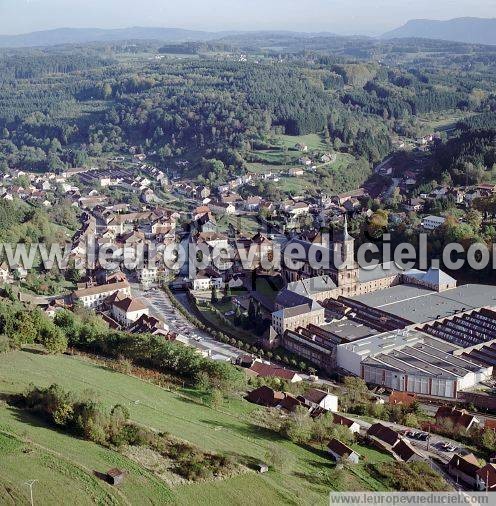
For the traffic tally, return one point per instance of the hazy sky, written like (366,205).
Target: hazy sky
(339,16)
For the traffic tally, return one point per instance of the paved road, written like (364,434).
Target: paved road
(161,307)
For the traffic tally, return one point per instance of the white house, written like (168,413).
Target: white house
(94,296)
(148,275)
(5,276)
(127,311)
(432,222)
(353,426)
(205,280)
(320,399)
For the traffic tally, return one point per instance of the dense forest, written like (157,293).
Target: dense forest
(64,106)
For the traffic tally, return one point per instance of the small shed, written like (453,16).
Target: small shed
(115,476)
(261,467)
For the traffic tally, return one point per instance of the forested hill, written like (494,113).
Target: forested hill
(216,108)
(470,30)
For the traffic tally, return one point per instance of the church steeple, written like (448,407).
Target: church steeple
(348,271)
(347,245)
(346,235)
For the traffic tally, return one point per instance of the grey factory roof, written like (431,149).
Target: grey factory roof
(349,330)
(404,362)
(431,277)
(430,358)
(421,305)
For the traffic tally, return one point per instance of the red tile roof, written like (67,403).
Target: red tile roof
(383,433)
(405,398)
(339,448)
(267,370)
(130,305)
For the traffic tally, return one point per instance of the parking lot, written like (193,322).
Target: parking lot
(161,307)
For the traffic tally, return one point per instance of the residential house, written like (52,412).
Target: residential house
(406,452)
(316,398)
(253,203)
(299,209)
(339,452)
(414,205)
(147,324)
(265,396)
(343,197)
(403,398)
(127,311)
(296,172)
(384,437)
(94,296)
(353,426)
(207,279)
(486,478)
(464,469)
(456,417)
(432,222)
(272,371)
(5,276)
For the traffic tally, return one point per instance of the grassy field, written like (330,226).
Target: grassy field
(65,465)
(443,122)
(313,141)
(283,150)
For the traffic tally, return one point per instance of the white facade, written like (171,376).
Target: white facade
(354,458)
(94,296)
(432,222)
(148,275)
(126,318)
(203,283)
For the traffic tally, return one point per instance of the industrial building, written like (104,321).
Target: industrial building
(406,330)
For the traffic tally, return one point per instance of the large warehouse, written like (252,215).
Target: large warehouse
(410,360)
(408,330)
(406,338)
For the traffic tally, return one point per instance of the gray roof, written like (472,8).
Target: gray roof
(311,250)
(287,298)
(349,330)
(432,277)
(424,360)
(299,310)
(381,271)
(312,286)
(421,305)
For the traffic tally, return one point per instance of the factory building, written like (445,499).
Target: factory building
(412,361)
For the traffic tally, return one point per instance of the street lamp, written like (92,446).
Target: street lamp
(30,484)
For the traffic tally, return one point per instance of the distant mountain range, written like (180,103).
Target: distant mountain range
(469,30)
(83,35)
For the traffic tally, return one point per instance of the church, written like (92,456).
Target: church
(338,275)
